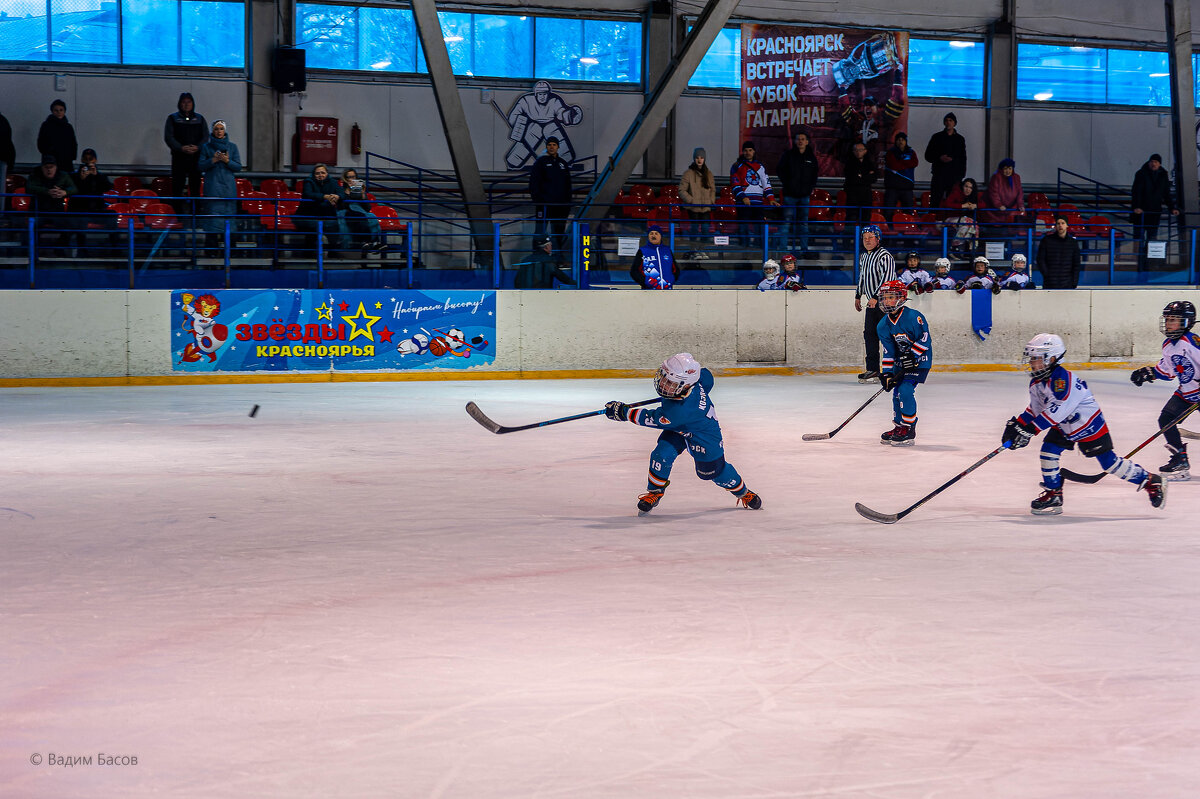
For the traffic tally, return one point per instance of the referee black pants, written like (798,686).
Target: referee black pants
(871,336)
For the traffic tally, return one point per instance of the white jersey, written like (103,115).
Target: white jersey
(1180,360)
(946,282)
(918,276)
(1064,401)
(980,281)
(1019,279)
(770,283)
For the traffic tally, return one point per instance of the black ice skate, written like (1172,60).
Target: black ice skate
(1177,468)
(1156,489)
(750,500)
(905,435)
(868,376)
(648,501)
(1048,504)
(890,436)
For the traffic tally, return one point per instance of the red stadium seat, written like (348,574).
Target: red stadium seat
(160,216)
(140,199)
(126,184)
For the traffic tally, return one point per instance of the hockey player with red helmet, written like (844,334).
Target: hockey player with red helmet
(1180,359)
(907,358)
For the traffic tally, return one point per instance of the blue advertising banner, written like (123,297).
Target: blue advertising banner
(289,330)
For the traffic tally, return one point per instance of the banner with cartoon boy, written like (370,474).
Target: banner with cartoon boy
(290,330)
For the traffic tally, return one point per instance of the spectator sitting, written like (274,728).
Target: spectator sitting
(982,278)
(356,213)
(791,278)
(49,190)
(654,265)
(914,276)
(1017,279)
(89,206)
(220,161)
(540,270)
(941,278)
(698,191)
(1005,197)
(963,203)
(1058,257)
(322,201)
(770,280)
(56,137)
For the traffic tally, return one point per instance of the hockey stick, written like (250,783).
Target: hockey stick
(1096,478)
(1188,433)
(892,518)
(834,431)
(500,429)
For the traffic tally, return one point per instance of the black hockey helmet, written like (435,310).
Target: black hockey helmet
(1181,310)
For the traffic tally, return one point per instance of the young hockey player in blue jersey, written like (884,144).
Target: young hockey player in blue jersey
(1018,278)
(941,276)
(1180,359)
(914,275)
(907,358)
(688,421)
(1062,403)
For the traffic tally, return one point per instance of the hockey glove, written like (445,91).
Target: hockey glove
(908,362)
(995,288)
(617,411)
(1018,433)
(1144,375)
(890,380)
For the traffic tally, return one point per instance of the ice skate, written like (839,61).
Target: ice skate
(750,500)
(904,435)
(1049,503)
(890,436)
(868,376)
(1176,469)
(648,501)
(1156,489)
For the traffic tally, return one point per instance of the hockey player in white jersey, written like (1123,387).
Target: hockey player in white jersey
(1018,278)
(941,276)
(914,275)
(770,280)
(1062,403)
(1180,360)
(982,277)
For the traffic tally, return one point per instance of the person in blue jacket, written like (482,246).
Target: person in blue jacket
(220,161)
(907,358)
(654,265)
(688,421)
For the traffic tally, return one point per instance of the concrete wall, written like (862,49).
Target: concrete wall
(126,333)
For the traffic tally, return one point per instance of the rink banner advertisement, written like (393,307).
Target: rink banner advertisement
(840,86)
(353,330)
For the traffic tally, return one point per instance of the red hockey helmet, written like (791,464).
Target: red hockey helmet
(892,296)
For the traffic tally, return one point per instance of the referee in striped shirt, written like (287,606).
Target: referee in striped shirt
(875,267)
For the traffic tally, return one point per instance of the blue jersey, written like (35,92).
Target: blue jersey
(906,333)
(692,417)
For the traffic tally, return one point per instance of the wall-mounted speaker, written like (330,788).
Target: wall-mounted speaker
(287,70)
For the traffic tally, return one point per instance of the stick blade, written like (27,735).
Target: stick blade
(475,413)
(876,516)
(815,436)
(1082,478)
(1188,433)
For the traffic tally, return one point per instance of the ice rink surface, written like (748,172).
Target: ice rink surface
(362,593)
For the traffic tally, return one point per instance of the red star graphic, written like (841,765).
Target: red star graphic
(385,334)
(343,306)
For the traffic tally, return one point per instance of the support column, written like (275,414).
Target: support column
(270,25)
(1002,91)
(658,59)
(1183,118)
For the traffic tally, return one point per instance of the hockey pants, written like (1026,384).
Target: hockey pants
(1056,444)
(904,398)
(670,445)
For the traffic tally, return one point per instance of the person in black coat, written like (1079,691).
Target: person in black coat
(8,157)
(1059,258)
(56,137)
(1151,190)
(539,270)
(550,188)
(946,155)
(860,174)
(798,173)
(184,132)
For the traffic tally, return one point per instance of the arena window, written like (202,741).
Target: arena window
(946,68)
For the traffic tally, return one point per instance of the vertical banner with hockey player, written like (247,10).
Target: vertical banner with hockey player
(288,330)
(841,86)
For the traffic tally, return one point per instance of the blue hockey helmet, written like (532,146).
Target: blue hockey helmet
(874,230)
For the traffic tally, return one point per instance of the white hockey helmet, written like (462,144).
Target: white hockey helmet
(1019,261)
(942,267)
(1048,350)
(676,376)
(770,269)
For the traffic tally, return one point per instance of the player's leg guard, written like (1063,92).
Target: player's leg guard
(662,458)
(904,400)
(1127,470)
(1051,476)
(727,477)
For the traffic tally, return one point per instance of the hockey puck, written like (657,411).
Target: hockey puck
(253,411)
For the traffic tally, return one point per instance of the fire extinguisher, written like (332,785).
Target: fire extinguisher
(356,140)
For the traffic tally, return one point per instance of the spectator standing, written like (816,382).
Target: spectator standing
(185,132)
(875,268)
(550,188)
(899,177)
(751,191)
(220,161)
(1005,197)
(356,213)
(8,158)
(654,265)
(1058,257)
(56,137)
(698,191)
(1151,190)
(798,170)
(947,158)
(89,206)
(49,190)
(540,270)
(860,173)
(322,201)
